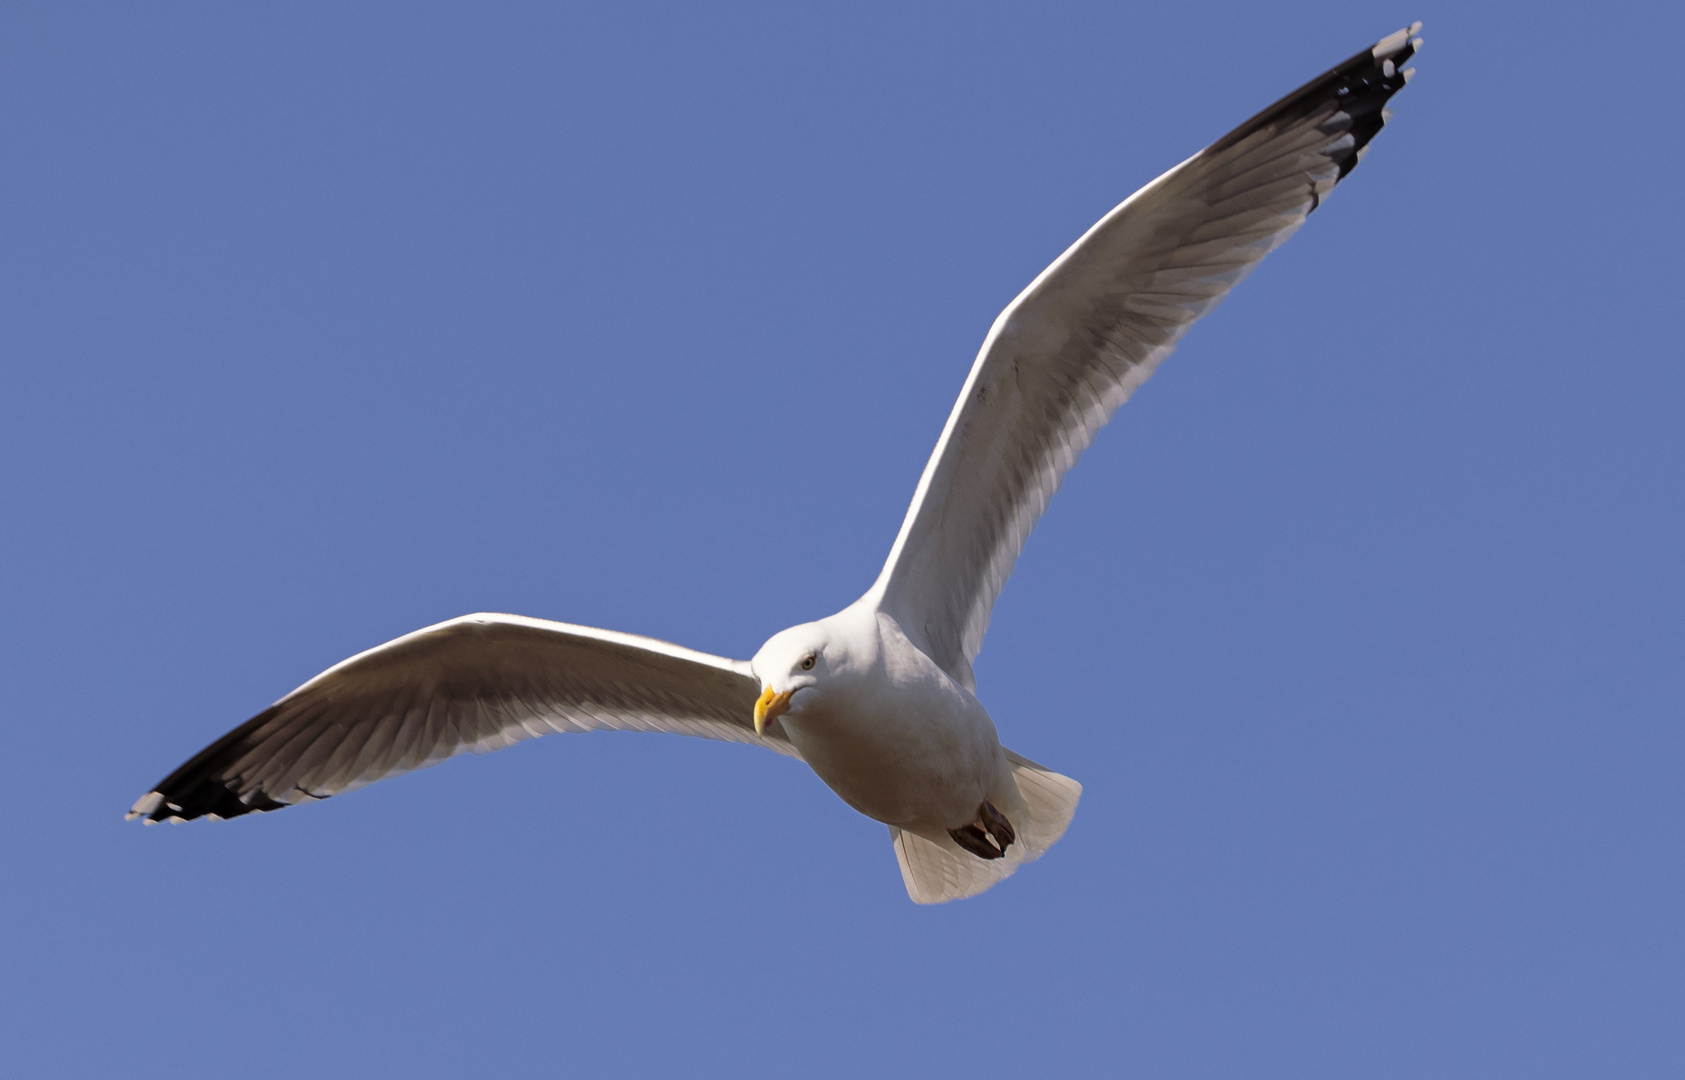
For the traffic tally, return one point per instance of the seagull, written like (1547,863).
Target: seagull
(878,699)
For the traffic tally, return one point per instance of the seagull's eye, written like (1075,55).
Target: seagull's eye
(808,661)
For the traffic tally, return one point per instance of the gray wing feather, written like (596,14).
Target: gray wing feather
(478,683)
(1077,342)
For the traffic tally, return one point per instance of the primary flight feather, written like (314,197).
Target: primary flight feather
(878,699)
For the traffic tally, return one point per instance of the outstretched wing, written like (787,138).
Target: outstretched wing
(1074,345)
(480,683)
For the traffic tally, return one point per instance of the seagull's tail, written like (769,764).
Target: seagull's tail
(936,870)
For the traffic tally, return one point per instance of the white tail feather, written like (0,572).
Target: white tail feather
(936,870)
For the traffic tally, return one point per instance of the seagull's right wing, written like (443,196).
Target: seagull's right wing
(1094,325)
(481,682)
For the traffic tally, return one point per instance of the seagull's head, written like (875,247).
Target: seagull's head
(792,661)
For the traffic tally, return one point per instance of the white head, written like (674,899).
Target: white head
(792,662)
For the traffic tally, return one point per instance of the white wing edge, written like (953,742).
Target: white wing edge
(648,644)
(876,594)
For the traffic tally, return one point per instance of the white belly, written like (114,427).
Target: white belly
(925,765)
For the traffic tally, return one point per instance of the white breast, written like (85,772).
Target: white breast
(894,736)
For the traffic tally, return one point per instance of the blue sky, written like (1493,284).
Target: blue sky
(1361,624)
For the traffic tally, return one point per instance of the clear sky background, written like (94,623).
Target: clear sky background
(1362,624)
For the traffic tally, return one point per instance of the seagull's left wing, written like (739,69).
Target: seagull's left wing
(481,682)
(1077,342)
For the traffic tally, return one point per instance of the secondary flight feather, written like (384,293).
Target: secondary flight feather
(879,698)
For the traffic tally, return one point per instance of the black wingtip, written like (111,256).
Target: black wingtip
(204,798)
(200,788)
(1357,89)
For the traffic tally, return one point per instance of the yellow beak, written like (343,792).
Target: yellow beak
(770,707)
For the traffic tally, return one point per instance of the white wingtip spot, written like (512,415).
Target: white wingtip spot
(1416,43)
(1390,44)
(1387,69)
(1386,115)
(1408,72)
(144,805)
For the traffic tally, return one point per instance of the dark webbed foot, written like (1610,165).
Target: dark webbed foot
(989,836)
(976,841)
(996,824)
